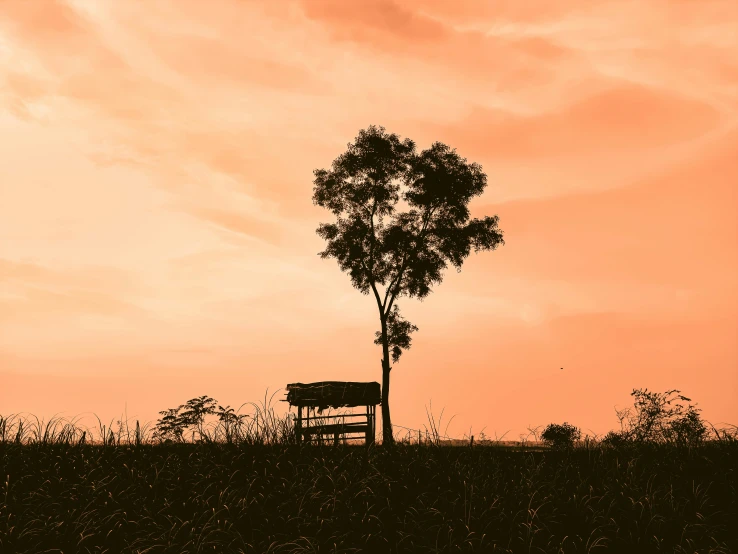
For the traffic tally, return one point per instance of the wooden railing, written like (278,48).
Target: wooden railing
(315,428)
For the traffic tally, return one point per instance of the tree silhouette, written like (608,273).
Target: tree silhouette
(406,251)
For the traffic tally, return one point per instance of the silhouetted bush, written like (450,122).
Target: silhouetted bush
(262,426)
(659,418)
(191,415)
(561,436)
(617,439)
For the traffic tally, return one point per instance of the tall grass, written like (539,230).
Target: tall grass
(251,488)
(259,425)
(206,497)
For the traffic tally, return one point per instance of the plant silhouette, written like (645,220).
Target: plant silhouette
(659,418)
(405,252)
(561,436)
(175,421)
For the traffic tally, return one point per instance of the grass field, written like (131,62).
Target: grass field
(59,495)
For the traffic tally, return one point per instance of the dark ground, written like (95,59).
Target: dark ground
(216,498)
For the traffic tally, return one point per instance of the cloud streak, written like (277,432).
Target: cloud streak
(156,208)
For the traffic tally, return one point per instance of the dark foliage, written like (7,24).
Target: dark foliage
(659,418)
(191,415)
(561,436)
(182,498)
(392,253)
(398,333)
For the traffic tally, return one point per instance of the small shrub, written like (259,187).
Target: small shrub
(661,418)
(203,420)
(175,421)
(617,439)
(687,430)
(561,436)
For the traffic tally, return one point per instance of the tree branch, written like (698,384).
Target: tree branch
(370,270)
(374,289)
(396,282)
(373,237)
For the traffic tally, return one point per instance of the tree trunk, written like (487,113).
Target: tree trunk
(387,437)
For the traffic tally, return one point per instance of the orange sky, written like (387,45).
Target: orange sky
(157,234)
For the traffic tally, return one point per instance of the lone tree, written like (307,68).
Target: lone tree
(392,253)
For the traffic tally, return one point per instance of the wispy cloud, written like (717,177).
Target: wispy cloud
(156,187)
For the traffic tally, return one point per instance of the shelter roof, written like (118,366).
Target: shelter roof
(334,394)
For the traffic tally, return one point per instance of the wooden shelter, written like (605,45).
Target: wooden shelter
(314,398)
